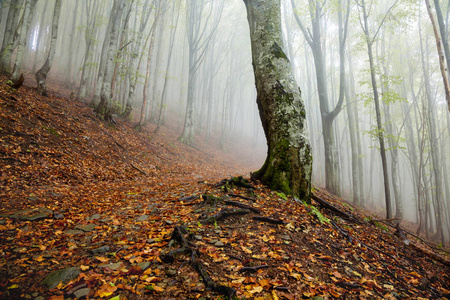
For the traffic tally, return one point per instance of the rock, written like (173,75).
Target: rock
(63,275)
(219,244)
(286,237)
(93,217)
(112,266)
(86,228)
(142,218)
(82,293)
(171,272)
(213,241)
(39,298)
(102,249)
(168,222)
(58,215)
(30,214)
(150,241)
(73,232)
(2,222)
(198,237)
(144,265)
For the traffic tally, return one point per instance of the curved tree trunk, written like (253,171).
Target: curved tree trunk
(41,75)
(289,161)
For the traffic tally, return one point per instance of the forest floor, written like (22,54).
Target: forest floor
(96,210)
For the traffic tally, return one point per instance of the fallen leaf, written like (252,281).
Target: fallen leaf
(106,290)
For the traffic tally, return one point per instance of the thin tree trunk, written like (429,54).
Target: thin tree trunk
(41,75)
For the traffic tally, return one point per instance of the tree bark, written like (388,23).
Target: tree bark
(103,108)
(27,16)
(12,21)
(288,164)
(376,99)
(41,75)
(440,53)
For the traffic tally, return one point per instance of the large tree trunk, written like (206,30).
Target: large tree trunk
(288,164)
(41,75)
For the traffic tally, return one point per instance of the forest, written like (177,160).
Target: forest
(185,84)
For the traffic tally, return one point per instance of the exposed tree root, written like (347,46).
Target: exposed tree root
(225,213)
(242,205)
(242,197)
(333,208)
(187,248)
(235,181)
(268,220)
(252,269)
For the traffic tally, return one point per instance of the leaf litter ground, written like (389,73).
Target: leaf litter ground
(101,204)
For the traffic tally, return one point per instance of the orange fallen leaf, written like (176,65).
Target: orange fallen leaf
(106,290)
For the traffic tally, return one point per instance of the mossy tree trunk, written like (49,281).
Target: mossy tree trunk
(289,161)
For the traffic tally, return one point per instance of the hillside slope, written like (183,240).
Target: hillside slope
(130,215)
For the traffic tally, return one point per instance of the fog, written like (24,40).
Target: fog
(189,63)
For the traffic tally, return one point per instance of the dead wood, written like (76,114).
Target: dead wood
(268,220)
(178,235)
(143,172)
(333,208)
(252,269)
(242,205)
(225,213)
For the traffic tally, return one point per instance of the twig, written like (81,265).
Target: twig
(242,205)
(143,172)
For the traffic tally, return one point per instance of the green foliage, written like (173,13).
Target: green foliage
(51,130)
(282,195)
(381,226)
(315,211)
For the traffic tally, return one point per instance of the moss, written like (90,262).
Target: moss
(278,52)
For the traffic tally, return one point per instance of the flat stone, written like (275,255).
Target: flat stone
(39,298)
(198,237)
(213,241)
(30,214)
(86,228)
(169,222)
(219,244)
(73,232)
(82,293)
(144,265)
(142,218)
(286,237)
(63,275)
(93,217)
(112,266)
(102,249)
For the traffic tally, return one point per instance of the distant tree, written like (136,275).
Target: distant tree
(9,36)
(103,109)
(315,40)
(439,44)
(22,33)
(199,35)
(41,74)
(288,165)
